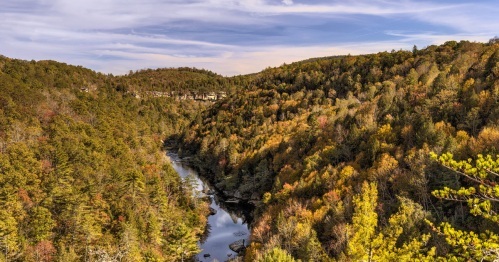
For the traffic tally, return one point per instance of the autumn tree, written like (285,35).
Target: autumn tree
(369,242)
(479,198)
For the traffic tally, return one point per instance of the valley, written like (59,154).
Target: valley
(390,156)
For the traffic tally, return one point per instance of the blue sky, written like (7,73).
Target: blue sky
(230,37)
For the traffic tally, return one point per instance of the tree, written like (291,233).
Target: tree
(153,230)
(494,40)
(470,245)
(276,255)
(41,223)
(312,248)
(61,163)
(134,182)
(8,235)
(369,242)
(183,242)
(473,120)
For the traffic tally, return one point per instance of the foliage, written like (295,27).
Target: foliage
(276,255)
(82,172)
(306,136)
(82,175)
(470,245)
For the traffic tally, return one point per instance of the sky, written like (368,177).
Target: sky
(230,37)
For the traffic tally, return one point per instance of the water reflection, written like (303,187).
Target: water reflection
(231,223)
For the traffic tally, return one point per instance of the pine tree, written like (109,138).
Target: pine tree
(312,248)
(470,245)
(134,183)
(183,242)
(40,223)
(371,243)
(153,230)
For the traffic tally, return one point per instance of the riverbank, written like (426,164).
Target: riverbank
(227,226)
(233,196)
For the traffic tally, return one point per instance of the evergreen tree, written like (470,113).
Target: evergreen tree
(134,183)
(470,245)
(370,243)
(183,243)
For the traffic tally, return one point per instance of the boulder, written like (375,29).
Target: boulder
(256,203)
(238,194)
(220,185)
(212,211)
(255,196)
(215,260)
(210,192)
(206,255)
(232,201)
(237,246)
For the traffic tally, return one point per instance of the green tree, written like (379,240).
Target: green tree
(183,242)
(312,249)
(41,224)
(153,230)
(134,182)
(276,255)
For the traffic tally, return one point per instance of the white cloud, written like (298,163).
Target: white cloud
(109,35)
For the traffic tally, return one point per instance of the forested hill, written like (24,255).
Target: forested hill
(340,151)
(83,175)
(343,153)
(181,79)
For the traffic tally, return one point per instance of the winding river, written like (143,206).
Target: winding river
(229,224)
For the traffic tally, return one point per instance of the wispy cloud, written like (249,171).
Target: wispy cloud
(229,36)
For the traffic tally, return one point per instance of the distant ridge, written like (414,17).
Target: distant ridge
(314,59)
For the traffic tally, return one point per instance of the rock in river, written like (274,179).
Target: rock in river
(237,246)
(212,211)
(206,255)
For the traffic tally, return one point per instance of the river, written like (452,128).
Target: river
(229,224)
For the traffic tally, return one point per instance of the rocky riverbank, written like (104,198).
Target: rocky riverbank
(233,196)
(230,216)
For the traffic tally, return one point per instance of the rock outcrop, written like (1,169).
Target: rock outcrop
(232,201)
(238,194)
(255,196)
(237,246)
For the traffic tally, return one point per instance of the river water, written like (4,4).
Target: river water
(229,224)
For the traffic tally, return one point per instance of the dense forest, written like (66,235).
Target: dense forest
(379,157)
(83,176)
(179,80)
(343,153)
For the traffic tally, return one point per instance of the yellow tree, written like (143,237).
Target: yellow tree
(276,255)
(472,246)
(368,242)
